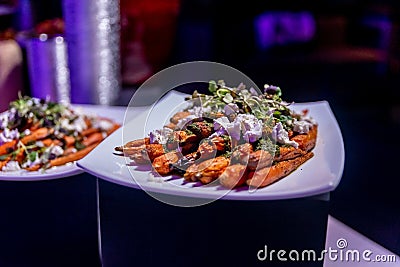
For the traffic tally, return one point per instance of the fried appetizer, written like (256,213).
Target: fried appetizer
(238,135)
(234,176)
(206,171)
(148,154)
(307,141)
(163,164)
(268,175)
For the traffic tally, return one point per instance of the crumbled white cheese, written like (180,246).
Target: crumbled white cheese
(72,121)
(280,135)
(231,109)
(228,98)
(103,125)
(160,136)
(39,144)
(220,126)
(302,127)
(199,111)
(33,102)
(36,100)
(8,135)
(64,122)
(4,119)
(52,150)
(57,150)
(67,112)
(253,91)
(11,166)
(245,124)
(221,122)
(253,134)
(241,87)
(30,163)
(233,129)
(182,122)
(251,126)
(77,125)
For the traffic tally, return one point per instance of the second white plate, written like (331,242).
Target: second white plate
(114,113)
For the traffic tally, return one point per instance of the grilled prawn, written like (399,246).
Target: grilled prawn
(206,171)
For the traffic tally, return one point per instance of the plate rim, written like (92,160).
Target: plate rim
(19,176)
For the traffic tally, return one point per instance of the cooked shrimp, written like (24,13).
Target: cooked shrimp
(201,129)
(183,140)
(209,148)
(163,164)
(268,175)
(133,144)
(207,171)
(307,141)
(242,153)
(259,159)
(148,154)
(286,153)
(234,176)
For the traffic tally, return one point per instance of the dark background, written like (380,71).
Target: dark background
(352,61)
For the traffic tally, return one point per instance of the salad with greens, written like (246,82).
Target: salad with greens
(39,134)
(248,115)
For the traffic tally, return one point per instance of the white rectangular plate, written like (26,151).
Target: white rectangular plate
(114,113)
(318,175)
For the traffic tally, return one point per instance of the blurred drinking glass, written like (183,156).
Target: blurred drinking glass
(93,36)
(47,61)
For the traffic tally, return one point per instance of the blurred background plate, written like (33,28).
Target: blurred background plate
(114,113)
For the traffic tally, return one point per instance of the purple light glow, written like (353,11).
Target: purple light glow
(277,28)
